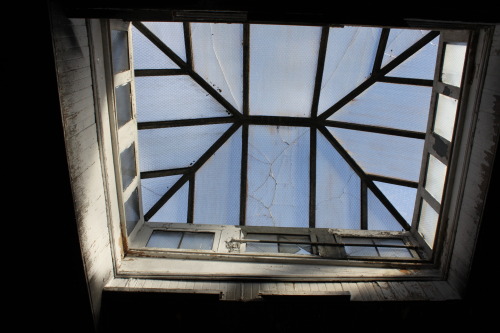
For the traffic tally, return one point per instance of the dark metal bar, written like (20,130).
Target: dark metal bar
(279,121)
(244,171)
(359,171)
(319,71)
(187,43)
(430,200)
(159,72)
(403,80)
(312,177)
(184,122)
(375,129)
(382,72)
(163,173)
(217,144)
(382,43)
(190,212)
(395,181)
(183,65)
(404,246)
(246,68)
(364,206)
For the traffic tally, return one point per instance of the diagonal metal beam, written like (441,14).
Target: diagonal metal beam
(184,66)
(184,122)
(319,71)
(187,44)
(192,170)
(364,178)
(375,129)
(380,74)
(382,43)
(163,173)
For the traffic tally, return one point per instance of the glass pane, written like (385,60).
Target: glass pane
(218,58)
(154,188)
(283,61)
(389,105)
(350,54)
(421,65)
(165,239)
(392,252)
(127,164)
(262,247)
(401,197)
(278,176)
(147,55)
(173,97)
(399,41)
(337,189)
(123,104)
(359,251)
(453,63)
(132,214)
(434,180)
(119,49)
(446,112)
(175,209)
(171,34)
(217,186)
(381,154)
(379,218)
(295,248)
(427,223)
(176,147)
(197,241)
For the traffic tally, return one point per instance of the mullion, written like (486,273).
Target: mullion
(408,81)
(244,171)
(188,45)
(184,122)
(375,129)
(163,173)
(246,68)
(190,214)
(159,72)
(382,43)
(364,206)
(312,177)
(319,71)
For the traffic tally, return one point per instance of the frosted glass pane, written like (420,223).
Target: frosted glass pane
(175,209)
(283,61)
(434,180)
(401,197)
(128,166)
(399,41)
(119,49)
(132,214)
(217,185)
(337,189)
(123,104)
(262,247)
(453,63)
(176,147)
(379,218)
(381,154)
(389,105)
(171,34)
(152,189)
(197,241)
(173,97)
(165,239)
(446,112)
(278,176)
(147,55)
(392,252)
(428,223)
(349,61)
(359,251)
(420,65)
(218,58)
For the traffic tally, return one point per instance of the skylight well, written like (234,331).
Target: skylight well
(303,130)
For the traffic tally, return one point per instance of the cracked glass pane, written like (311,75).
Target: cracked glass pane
(297,248)
(381,154)
(165,239)
(171,34)
(391,105)
(401,197)
(379,218)
(421,65)
(399,41)
(262,247)
(391,252)
(147,55)
(217,185)
(152,189)
(176,147)
(278,176)
(337,189)
(175,209)
(349,60)
(359,251)
(174,97)
(283,61)
(218,58)
(453,63)
(427,223)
